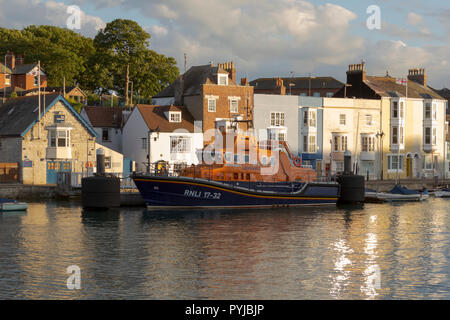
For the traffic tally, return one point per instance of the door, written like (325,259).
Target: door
(53,167)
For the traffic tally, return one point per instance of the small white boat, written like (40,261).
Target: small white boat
(399,193)
(12,205)
(443,193)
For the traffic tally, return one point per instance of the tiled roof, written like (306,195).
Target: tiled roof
(4,69)
(445,93)
(24,68)
(155,118)
(298,83)
(193,79)
(104,117)
(19,114)
(387,87)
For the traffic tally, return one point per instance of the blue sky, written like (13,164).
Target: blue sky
(269,38)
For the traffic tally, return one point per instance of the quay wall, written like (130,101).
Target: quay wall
(416,184)
(27,192)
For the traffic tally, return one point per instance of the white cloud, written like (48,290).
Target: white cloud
(23,13)
(414,19)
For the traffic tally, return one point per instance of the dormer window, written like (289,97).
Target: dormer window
(174,116)
(222,79)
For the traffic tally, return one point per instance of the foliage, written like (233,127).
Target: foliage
(97,64)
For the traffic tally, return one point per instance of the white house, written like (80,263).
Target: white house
(165,133)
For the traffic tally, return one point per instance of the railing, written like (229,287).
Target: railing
(73,179)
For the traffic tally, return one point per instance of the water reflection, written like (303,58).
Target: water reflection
(371,252)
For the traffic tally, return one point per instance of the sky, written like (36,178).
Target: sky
(269,38)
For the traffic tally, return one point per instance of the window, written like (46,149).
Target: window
(305,143)
(144,143)
(395,109)
(367,143)
(427,135)
(312,144)
(174,116)
(434,111)
(211,105)
(7,79)
(339,166)
(368,119)
(394,135)
(428,162)
(282,136)
(402,110)
(340,143)
(305,118)
(52,138)
(222,80)
(330,94)
(63,138)
(316,94)
(277,119)
(312,118)
(427,110)
(107,162)
(105,134)
(393,162)
(36,81)
(179,144)
(233,106)
(342,119)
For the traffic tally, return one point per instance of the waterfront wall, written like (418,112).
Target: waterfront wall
(416,184)
(27,192)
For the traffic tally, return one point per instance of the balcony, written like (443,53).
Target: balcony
(58,153)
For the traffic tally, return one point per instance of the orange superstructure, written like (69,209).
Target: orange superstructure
(237,157)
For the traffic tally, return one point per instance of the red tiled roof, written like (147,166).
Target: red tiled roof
(105,116)
(154,117)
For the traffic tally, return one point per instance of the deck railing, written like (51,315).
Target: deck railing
(73,179)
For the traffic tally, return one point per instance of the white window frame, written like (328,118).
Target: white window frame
(234,106)
(369,119)
(367,143)
(391,166)
(277,119)
(220,78)
(180,144)
(342,119)
(7,79)
(312,118)
(212,105)
(175,116)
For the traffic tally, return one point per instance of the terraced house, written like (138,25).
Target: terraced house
(211,95)
(412,125)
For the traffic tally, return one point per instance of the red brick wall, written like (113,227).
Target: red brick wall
(223,104)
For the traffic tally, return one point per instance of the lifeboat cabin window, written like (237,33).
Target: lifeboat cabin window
(247,176)
(228,156)
(236,176)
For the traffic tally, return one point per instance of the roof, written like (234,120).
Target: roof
(105,117)
(24,68)
(4,69)
(298,83)
(155,118)
(387,87)
(445,93)
(193,79)
(19,115)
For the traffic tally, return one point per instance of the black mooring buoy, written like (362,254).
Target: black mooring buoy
(100,191)
(352,186)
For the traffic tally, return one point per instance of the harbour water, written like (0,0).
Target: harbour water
(379,251)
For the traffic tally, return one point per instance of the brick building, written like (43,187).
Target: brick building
(212,95)
(15,76)
(303,86)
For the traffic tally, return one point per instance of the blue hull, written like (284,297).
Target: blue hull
(182,192)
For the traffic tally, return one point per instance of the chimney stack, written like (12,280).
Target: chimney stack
(418,75)
(229,67)
(244,82)
(19,60)
(356,74)
(10,60)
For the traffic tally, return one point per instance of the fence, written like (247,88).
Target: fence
(9,172)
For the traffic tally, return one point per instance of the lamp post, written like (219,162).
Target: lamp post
(290,84)
(380,135)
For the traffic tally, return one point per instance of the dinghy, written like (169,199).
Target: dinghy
(399,193)
(442,193)
(12,205)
